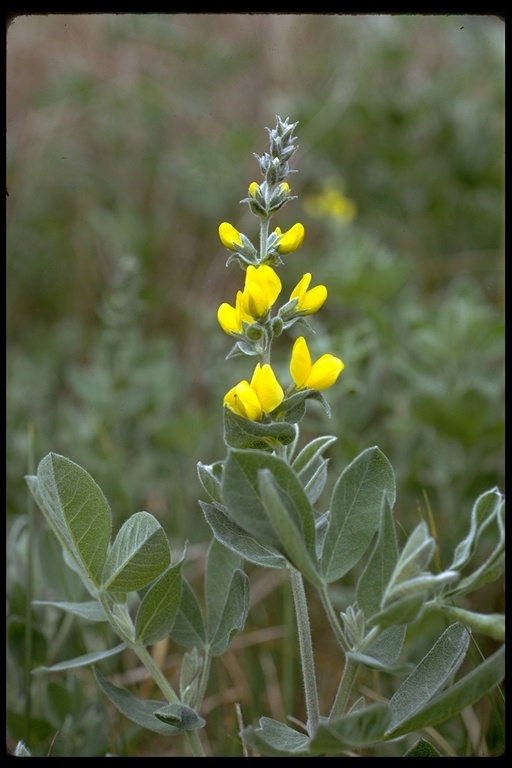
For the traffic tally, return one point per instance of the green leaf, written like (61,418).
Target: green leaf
(81,661)
(139,555)
(141,712)
(159,605)
(295,527)
(316,483)
(77,512)
(240,432)
(425,583)
(306,461)
(180,716)
(430,675)
(360,728)
(380,566)
(457,697)
(242,496)
(384,651)
(190,676)
(293,408)
(188,628)
(235,538)
(210,477)
(491,624)
(227,597)
(422,748)
(90,611)
(356,511)
(274,739)
(414,557)
(486,507)
(400,612)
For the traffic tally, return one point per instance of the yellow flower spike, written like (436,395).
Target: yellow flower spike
(308,301)
(265,384)
(229,236)
(242,399)
(291,239)
(319,375)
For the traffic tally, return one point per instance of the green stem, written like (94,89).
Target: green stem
(306,650)
(333,619)
(263,238)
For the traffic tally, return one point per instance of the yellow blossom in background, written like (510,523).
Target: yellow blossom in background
(306,374)
(330,202)
(262,287)
(229,236)
(308,301)
(291,239)
(262,395)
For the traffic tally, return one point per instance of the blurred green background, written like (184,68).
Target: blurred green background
(129,139)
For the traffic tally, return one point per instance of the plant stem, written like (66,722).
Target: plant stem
(333,619)
(306,650)
(263,238)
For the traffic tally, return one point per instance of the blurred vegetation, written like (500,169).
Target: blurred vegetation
(129,138)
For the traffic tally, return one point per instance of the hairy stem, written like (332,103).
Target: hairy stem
(306,650)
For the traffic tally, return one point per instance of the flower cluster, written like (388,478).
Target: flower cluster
(250,320)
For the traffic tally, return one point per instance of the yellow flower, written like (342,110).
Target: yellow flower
(319,375)
(262,395)
(229,236)
(230,318)
(291,239)
(253,188)
(330,202)
(308,301)
(262,287)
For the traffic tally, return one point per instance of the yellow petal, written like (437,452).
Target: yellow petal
(312,300)
(300,365)
(324,372)
(242,399)
(229,236)
(265,384)
(268,280)
(301,287)
(254,300)
(227,317)
(291,240)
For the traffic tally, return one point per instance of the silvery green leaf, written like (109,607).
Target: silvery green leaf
(356,511)
(235,538)
(227,596)
(491,624)
(139,555)
(453,700)
(293,520)
(180,716)
(21,750)
(240,432)
(274,739)
(381,563)
(316,482)
(77,512)
(90,611)
(141,712)
(425,583)
(190,676)
(158,607)
(306,461)
(188,628)
(486,507)
(241,495)
(415,555)
(359,728)
(81,661)
(430,675)
(386,648)
(210,477)
(400,612)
